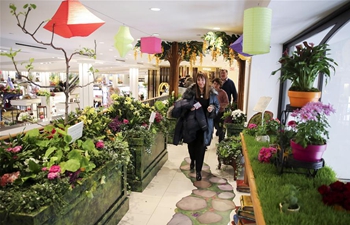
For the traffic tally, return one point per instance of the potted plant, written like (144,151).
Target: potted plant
(234,121)
(311,132)
(229,152)
(290,199)
(302,68)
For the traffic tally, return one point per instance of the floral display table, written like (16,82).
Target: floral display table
(100,199)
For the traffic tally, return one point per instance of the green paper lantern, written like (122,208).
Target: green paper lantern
(123,41)
(257,30)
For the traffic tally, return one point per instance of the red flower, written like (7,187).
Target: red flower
(337,186)
(324,189)
(55,169)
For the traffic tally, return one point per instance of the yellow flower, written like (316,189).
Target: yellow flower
(89,121)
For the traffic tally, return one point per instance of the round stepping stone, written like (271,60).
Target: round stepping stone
(209,217)
(217,180)
(180,219)
(191,203)
(223,205)
(226,195)
(202,184)
(225,187)
(204,175)
(188,160)
(206,168)
(185,167)
(204,193)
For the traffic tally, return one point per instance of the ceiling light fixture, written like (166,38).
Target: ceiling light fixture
(155,9)
(216,28)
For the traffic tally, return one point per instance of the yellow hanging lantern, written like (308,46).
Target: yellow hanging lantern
(123,41)
(257,30)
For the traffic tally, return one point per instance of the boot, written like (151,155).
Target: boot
(192,166)
(198,176)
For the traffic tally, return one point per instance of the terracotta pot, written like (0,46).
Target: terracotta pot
(300,98)
(312,153)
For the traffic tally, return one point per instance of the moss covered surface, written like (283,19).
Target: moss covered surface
(269,183)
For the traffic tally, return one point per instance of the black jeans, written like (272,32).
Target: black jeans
(196,150)
(219,126)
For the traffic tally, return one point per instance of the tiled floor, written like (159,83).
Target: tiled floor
(156,204)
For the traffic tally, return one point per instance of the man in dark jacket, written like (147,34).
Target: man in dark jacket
(228,86)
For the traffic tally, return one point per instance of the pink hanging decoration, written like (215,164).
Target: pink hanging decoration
(151,45)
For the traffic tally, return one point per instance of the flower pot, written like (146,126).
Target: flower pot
(301,98)
(233,129)
(312,153)
(263,138)
(288,210)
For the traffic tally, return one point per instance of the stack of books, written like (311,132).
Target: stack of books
(242,187)
(244,213)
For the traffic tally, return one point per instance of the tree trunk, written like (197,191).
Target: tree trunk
(174,59)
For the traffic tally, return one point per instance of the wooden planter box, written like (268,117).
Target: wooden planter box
(146,165)
(109,204)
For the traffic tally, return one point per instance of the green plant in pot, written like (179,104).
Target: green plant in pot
(302,68)
(290,199)
(229,152)
(234,121)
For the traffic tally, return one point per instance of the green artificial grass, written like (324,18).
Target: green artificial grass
(269,184)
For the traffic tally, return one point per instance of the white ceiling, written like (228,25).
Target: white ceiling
(178,20)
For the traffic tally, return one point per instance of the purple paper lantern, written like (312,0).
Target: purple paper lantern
(237,46)
(151,45)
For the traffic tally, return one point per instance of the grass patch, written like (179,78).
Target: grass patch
(269,184)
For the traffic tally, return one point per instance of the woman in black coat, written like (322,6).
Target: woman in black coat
(195,125)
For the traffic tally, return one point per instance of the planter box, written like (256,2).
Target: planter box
(146,165)
(109,204)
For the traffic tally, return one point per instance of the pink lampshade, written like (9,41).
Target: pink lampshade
(151,45)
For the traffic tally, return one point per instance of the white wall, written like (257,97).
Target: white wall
(261,83)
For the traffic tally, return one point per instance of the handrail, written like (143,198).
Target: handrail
(250,179)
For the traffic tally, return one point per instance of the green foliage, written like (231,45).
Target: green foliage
(290,199)
(269,183)
(304,65)
(231,149)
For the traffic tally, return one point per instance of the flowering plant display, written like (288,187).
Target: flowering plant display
(272,126)
(336,194)
(236,117)
(266,153)
(38,168)
(304,65)
(251,129)
(311,123)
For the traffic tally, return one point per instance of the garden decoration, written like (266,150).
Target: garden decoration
(311,132)
(302,68)
(234,122)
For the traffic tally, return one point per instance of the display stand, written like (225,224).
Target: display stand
(286,163)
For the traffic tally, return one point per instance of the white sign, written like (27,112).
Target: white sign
(262,104)
(151,118)
(76,131)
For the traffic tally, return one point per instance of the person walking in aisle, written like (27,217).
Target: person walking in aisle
(196,111)
(228,86)
(223,101)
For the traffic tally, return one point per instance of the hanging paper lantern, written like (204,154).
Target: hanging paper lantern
(257,30)
(151,45)
(123,41)
(238,45)
(73,19)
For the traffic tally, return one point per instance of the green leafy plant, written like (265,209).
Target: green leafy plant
(236,117)
(290,197)
(304,65)
(231,149)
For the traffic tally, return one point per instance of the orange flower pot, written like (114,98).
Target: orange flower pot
(300,98)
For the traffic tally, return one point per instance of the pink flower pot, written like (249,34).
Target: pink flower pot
(312,153)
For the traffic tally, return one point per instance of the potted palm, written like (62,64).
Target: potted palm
(302,68)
